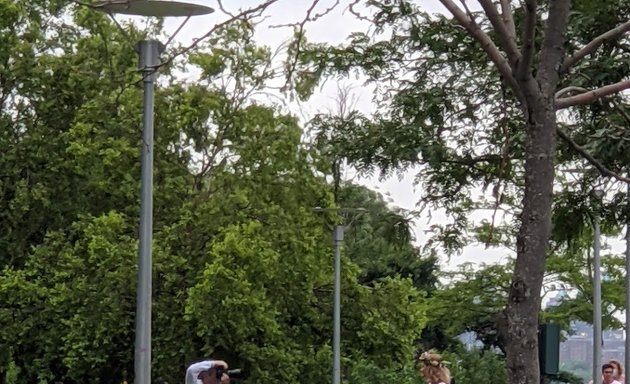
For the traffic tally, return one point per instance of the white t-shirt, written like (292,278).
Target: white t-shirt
(193,371)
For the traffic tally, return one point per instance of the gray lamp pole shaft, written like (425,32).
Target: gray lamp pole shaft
(597,305)
(149,51)
(337,240)
(627,337)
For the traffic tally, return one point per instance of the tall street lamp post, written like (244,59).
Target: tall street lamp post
(338,232)
(338,235)
(627,333)
(149,53)
(597,302)
(597,196)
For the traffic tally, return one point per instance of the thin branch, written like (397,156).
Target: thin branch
(622,111)
(242,15)
(592,160)
(468,12)
(528,37)
(309,16)
(222,8)
(470,161)
(122,30)
(486,44)
(506,39)
(176,32)
(300,37)
(593,95)
(593,45)
(356,13)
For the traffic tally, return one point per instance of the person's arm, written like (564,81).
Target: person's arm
(193,371)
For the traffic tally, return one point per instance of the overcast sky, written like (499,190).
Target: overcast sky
(333,28)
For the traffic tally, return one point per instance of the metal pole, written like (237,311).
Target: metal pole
(597,304)
(337,239)
(149,51)
(627,334)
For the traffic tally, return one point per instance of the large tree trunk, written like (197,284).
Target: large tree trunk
(523,304)
(524,300)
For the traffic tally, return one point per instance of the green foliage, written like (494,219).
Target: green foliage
(443,112)
(385,232)
(79,312)
(472,302)
(565,377)
(365,372)
(242,265)
(583,370)
(477,366)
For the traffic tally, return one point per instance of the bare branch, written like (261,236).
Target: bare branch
(242,15)
(300,37)
(586,155)
(590,96)
(310,16)
(506,39)
(222,8)
(529,35)
(486,43)
(594,44)
(356,13)
(468,12)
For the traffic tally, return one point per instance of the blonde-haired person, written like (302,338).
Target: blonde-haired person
(433,368)
(618,371)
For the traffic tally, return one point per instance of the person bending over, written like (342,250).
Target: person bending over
(205,372)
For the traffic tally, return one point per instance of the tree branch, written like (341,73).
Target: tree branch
(508,19)
(471,161)
(506,39)
(552,47)
(243,14)
(622,111)
(529,35)
(568,89)
(590,96)
(486,44)
(592,160)
(593,45)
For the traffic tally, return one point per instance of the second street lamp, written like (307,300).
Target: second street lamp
(149,52)
(338,235)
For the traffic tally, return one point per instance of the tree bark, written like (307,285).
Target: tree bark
(532,241)
(524,300)
(518,325)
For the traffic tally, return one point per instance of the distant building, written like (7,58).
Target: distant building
(579,344)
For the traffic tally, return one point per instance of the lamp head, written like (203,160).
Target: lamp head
(154,8)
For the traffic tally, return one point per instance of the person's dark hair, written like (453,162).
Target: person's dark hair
(607,366)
